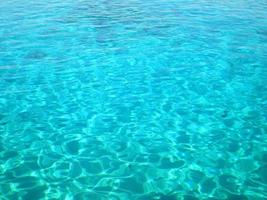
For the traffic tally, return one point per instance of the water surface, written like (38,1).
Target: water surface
(131,99)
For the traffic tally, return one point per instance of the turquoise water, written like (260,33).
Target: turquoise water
(131,99)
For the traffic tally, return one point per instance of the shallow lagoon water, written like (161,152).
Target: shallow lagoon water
(133,99)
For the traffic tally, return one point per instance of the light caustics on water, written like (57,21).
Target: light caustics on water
(133,99)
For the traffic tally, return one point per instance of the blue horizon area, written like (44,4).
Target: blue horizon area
(133,100)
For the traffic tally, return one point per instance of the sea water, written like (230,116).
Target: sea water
(133,99)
